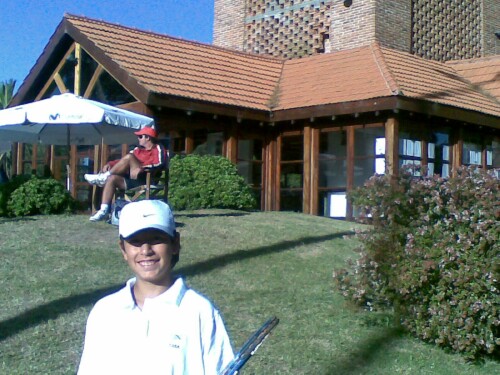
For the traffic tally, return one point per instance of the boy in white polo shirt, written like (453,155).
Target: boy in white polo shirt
(155,324)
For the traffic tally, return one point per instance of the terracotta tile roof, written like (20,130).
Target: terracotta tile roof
(483,72)
(185,69)
(172,66)
(436,82)
(371,72)
(333,78)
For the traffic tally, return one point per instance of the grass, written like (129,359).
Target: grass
(251,265)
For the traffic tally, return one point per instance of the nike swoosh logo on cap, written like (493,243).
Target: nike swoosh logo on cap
(146,215)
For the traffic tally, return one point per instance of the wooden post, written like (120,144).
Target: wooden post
(306,186)
(34,154)
(314,171)
(53,160)
(350,157)
(189,142)
(350,133)
(73,171)
(232,145)
(457,150)
(267,177)
(19,159)
(392,146)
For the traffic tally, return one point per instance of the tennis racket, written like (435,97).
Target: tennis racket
(250,347)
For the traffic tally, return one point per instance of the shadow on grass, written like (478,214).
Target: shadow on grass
(51,310)
(16,219)
(359,359)
(223,260)
(61,306)
(196,216)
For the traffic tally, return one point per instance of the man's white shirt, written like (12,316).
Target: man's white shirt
(177,332)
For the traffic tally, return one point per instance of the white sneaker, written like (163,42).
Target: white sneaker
(98,179)
(99,216)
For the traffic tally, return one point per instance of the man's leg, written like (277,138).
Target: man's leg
(112,183)
(128,165)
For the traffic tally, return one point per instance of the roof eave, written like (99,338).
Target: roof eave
(189,104)
(448,112)
(336,109)
(395,102)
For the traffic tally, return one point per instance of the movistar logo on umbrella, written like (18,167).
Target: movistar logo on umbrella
(66,117)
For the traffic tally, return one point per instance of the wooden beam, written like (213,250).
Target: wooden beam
(328,110)
(60,83)
(78,69)
(137,107)
(93,81)
(208,107)
(56,71)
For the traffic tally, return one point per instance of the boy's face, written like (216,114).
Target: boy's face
(149,255)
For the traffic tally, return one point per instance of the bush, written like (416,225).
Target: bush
(433,255)
(40,196)
(207,182)
(6,190)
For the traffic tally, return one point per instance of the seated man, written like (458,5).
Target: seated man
(126,173)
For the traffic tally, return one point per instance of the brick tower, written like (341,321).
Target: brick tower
(434,29)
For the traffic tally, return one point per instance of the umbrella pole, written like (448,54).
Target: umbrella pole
(68,165)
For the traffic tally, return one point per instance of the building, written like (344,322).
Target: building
(310,122)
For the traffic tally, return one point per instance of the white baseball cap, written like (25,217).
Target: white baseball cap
(137,216)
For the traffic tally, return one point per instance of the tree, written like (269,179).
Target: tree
(6,92)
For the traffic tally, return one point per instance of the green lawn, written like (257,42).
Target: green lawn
(252,266)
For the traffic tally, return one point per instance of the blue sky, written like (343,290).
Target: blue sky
(27,25)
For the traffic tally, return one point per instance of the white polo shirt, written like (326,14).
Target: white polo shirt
(177,332)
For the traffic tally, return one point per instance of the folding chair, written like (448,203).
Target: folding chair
(156,186)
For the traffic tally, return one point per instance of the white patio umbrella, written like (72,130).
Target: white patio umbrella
(68,119)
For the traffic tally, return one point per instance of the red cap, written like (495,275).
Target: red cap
(147,130)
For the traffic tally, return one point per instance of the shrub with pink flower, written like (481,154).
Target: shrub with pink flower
(434,256)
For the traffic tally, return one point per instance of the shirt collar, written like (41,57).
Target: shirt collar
(172,295)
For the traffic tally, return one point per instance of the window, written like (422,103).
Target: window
(332,179)
(438,154)
(292,169)
(482,149)
(206,143)
(369,153)
(250,163)
(410,153)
